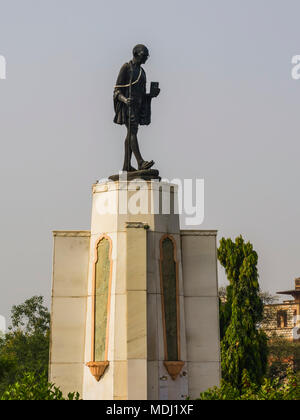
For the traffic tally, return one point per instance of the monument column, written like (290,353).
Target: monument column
(135,330)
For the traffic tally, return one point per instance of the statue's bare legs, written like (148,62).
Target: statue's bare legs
(132,146)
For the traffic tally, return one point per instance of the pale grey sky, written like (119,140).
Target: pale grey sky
(228,113)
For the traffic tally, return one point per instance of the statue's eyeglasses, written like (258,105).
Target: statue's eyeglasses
(143,54)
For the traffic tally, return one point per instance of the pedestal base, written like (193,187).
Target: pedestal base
(147,175)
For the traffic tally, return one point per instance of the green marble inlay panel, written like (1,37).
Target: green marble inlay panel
(170,298)
(102,276)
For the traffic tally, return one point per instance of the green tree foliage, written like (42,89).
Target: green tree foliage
(243,345)
(36,388)
(283,355)
(31,317)
(225,309)
(268,390)
(25,348)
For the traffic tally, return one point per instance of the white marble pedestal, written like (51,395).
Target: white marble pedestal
(129,250)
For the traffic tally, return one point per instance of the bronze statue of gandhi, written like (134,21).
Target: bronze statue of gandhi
(133,105)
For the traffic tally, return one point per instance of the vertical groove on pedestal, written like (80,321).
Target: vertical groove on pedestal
(136,290)
(170,297)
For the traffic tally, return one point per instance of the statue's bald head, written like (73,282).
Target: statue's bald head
(140,54)
(140,49)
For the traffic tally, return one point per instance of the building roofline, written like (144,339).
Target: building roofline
(72,233)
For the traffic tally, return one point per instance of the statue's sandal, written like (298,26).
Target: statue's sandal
(146,165)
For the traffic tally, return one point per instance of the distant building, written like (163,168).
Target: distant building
(283,319)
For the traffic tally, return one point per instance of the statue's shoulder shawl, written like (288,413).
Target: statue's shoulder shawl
(124,76)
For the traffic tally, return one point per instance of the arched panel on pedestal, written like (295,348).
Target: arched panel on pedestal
(170,305)
(101,299)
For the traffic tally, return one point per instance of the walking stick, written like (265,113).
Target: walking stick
(129,119)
